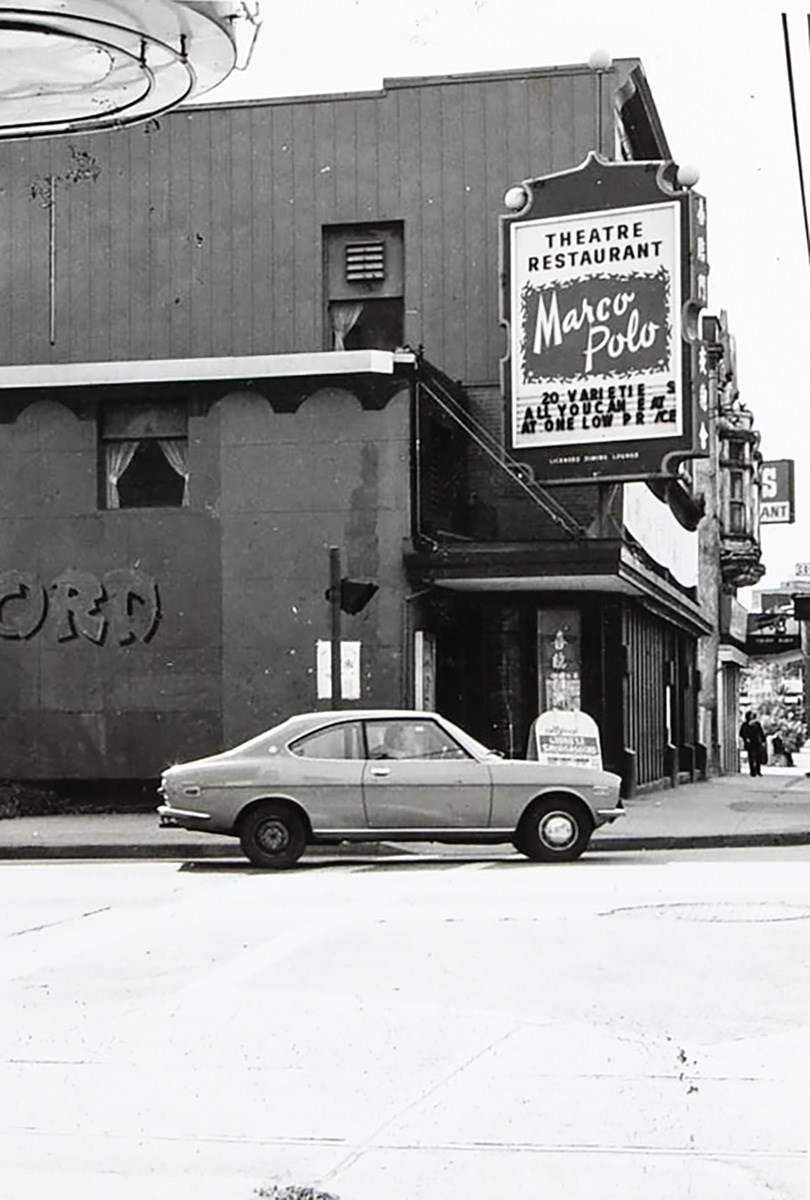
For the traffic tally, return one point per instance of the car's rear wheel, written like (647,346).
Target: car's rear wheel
(556,829)
(273,835)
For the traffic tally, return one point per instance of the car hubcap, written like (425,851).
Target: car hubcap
(273,836)
(558,830)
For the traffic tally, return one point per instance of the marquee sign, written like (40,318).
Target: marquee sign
(777,503)
(605,274)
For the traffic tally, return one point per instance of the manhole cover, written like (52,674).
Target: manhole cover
(723,913)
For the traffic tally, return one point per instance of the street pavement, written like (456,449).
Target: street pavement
(634,1027)
(729,810)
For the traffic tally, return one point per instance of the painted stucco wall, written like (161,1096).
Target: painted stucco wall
(133,638)
(294,484)
(100,673)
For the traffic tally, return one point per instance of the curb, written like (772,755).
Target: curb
(181,851)
(387,850)
(138,850)
(702,841)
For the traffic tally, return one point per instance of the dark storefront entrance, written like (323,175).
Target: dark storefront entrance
(503,658)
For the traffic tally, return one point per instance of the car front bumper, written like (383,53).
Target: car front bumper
(606,816)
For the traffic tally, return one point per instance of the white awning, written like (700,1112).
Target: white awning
(178,370)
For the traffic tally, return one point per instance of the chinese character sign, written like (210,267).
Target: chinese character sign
(596,340)
(559,660)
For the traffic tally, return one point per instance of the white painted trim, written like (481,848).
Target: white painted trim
(175,370)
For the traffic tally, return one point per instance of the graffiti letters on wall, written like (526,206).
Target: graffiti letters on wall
(122,607)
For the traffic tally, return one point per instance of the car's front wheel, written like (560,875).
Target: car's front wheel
(554,830)
(272,835)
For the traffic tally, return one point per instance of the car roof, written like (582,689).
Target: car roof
(299,722)
(363,713)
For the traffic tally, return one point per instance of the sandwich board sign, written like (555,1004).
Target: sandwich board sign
(564,737)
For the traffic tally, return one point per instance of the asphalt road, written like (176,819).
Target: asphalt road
(628,1026)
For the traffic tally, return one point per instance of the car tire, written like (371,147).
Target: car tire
(556,829)
(272,835)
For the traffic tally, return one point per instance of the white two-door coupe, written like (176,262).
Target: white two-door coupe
(384,775)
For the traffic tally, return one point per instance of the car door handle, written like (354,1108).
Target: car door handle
(382,771)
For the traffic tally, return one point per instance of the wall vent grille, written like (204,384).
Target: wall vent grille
(365,262)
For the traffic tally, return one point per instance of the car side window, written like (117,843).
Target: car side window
(343,741)
(397,738)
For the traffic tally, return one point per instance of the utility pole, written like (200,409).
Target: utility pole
(344,595)
(334,607)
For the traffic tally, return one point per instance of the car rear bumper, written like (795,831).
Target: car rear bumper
(182,818)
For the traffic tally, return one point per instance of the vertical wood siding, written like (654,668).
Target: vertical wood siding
(202,234)
(645,692)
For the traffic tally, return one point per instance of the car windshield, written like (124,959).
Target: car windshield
(471,744)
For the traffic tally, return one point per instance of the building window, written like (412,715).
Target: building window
(144,456)
(372,325)
(736,503)
(364,286)
(736,452)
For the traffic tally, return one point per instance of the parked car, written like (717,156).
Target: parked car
(384,775)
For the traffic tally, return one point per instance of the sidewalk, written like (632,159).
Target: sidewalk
(731,810)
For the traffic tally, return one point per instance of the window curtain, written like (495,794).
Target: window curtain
(118,457)
(176,451)
(345,314)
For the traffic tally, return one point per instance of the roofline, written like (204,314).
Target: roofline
(624,67)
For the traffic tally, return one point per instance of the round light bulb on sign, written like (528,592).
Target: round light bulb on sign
(600,60)
(515,198)
(688,175)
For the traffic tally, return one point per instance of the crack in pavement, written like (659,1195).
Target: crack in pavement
(439,1083)
(65,921)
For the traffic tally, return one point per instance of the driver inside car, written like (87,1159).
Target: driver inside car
(398,742)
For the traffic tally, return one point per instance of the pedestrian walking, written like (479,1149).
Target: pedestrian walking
(753,739)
